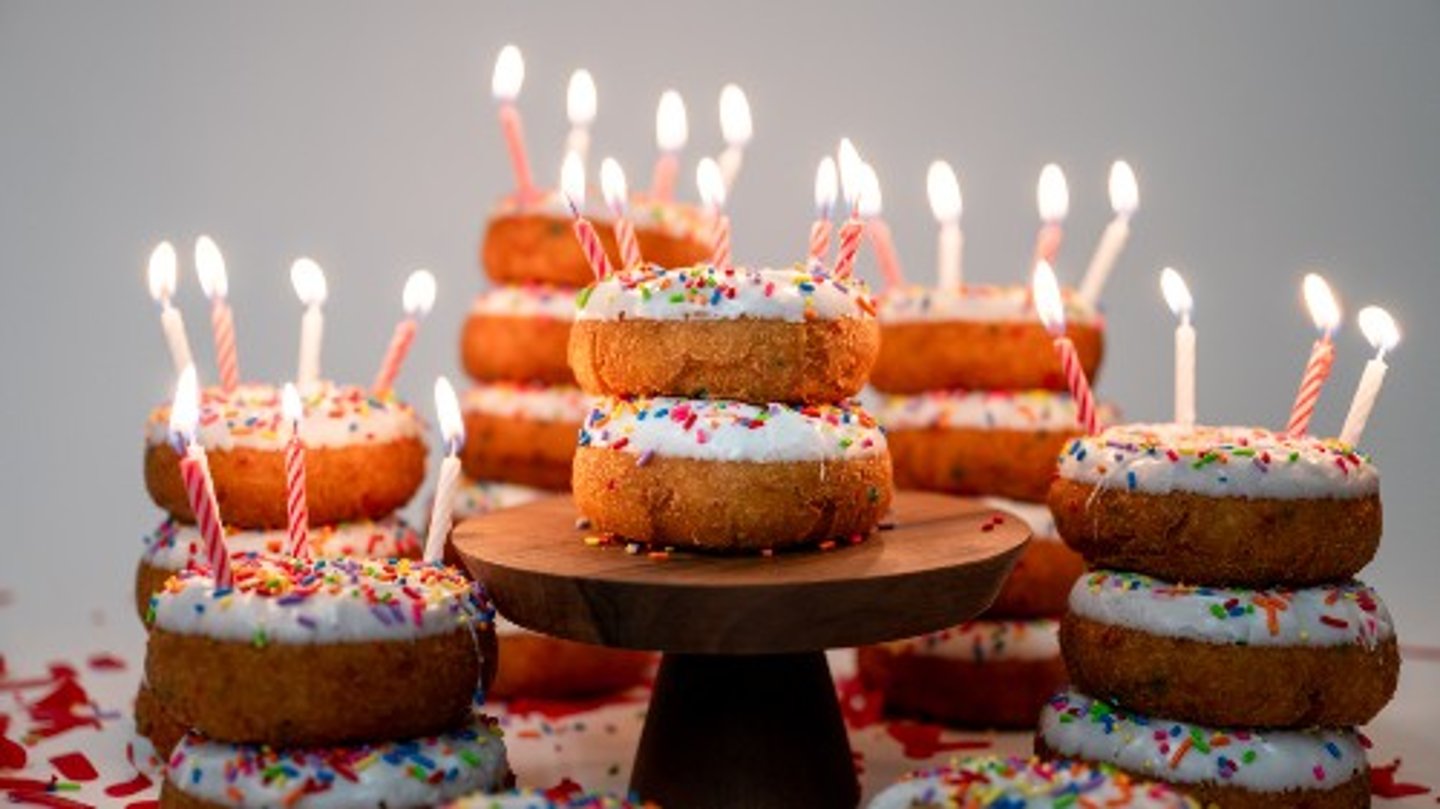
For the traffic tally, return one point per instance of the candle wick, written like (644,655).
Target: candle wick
(575,212)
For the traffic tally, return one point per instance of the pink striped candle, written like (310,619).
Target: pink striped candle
(885,256)
(710,181)
(617,196)
(850,234)
(720,239)
(820,239)
(395,355)
(1325,312)
(1046,292)
(505,85)
(572,187)
(195,472)
(297,505)
(827,188)
(672,131)
(222,322)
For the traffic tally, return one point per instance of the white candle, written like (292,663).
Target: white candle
(1124,199)
(1383,334)
(580,107)
(1177,296)
(161,277)
(737,127)
(945,203)
(309,282)
(452,429)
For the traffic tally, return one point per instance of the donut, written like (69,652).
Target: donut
(726,476)
(173,545)
(793,334)
(521,434)
(981,338)
(1216,654)
(155,725)
(420,772)
(543,667)
(1249,769)
(519,333)
(476,497)
(535,241)
(984,673)
(1020,783)
(559,797)
(365,458)
(292,652)
(1223,506)
(1039,584)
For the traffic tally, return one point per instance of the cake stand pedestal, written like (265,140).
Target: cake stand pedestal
(744,712)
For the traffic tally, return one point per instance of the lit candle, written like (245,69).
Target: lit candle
(452,431)
(1325,312)
(672,130)
(617,196)
(737,127)
(712,194)
(210,266)
(1124,199)
(505,85)
(827,188)
(871,204)
(1177,297)
(1046,291)
(309,282)
(1383,335)
(417,299)
(161,277)
(572,186)
(852,181)
(945,203)
(195,473)
(1052,197)
(297,504)
(580,106)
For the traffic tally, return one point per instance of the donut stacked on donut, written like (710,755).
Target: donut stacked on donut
(1221,642)
(723,422)
(1027,784)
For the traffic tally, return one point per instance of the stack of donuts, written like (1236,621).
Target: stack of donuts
(973,400)
(1220,641)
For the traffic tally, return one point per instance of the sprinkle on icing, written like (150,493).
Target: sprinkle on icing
(555,798)
(414,773)
(987,641)
(1078,726)
(526,300)
(531,402)
(1035,515)
(1018,783)
(705,292)
(1328,615)
(335,415)
(172,545)
(286,600)
(1030,410)
(476,497)
(1218,462)
(675,219)
(986,304)
(727,430)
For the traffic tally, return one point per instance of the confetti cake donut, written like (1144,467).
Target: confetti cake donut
(936,339)
(560,797)
(365,459)
(476,497)
(535,242)
(519,332)
(1219,655)
(1039,584)
(983,673)
(1019,783)
(1228,506)
(1248,769)
(728,476)
(793,334)
(521,433)
(304,653)
(420,772)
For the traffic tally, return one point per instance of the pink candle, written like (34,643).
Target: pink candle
(417,299)
(617,196)
(1325,312)
(210,266)
(297,504)
(195,474)
(871,205)
(852,183)
(711,183)
(850,234)
(572,185)
(826,189)
(1052,196)
(672,130)
(505,86)
(1046,291)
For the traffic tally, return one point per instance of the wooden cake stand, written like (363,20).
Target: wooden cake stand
(744,712)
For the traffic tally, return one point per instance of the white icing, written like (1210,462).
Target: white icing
(988,642)
(528,402)
(725,430)
(1259,760)
(476,497)
(1017,783)
(1218,462)
(172,545)
(704,292)
(986,304)
(335,416)
(1035,515)
(1329,615)
(526,300)
(534,799)
(1030,410)
(416,773)
(677,219)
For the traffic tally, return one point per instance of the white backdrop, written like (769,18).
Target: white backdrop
(1267,138)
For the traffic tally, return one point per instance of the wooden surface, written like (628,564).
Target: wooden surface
(938,566)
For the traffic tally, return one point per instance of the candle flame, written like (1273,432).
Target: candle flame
(309,282)
(291,407)
(161,272)
(944,191)
(1052,194)
(852,174)
(580,98)
(1124,191)
(869,202)
(447,412)
(711,184)
(572,181)
(1046,292)
(613,185)
(509,74)
(1320,301)
(827,187)
(210,266)
(736,126)
(1380,329)
(185,407)
(418,297)
(1176,292)
(672,127)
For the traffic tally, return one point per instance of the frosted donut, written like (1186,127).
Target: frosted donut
(985,673)
(1230,506)
(792,334)
(557,798)
(1216,654)
(981,338)
(386,775)
(155,725)
(1250,769)
(535,241)
(1039,584)
(172,546)
(543,667)
(1018,783)
(727,476)
(365,458)
(519,333)
(522,434)
(476,497)
(283,657)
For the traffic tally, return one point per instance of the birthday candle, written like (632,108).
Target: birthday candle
(505,85)
(1124,199)
(210,266)
(827,184)
(161,277)
(195,474)
(1383,335)
(452,431)
(945,203)
(736,127)
(712,193)
(871,205)
(1048,304)
(672,130)
(1325,312)
(417,299)
(572,185)
(1052,197)
(580,108)
(297,503)
(852,181)
(309,282)
(617,195)
(1177,297)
